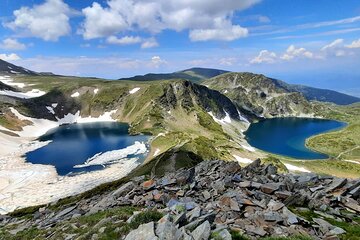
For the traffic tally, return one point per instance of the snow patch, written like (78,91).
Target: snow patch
(75,95)
(225,120)
(226,91)
(157,151)
(50,109)
(30,94)
(249,148)
(242,160)
(352,161)
(41,126)
(38,128)
(295,168)
(114,156)
(161,135)
(134,90)
(8,81)
(96,91)
(54,105)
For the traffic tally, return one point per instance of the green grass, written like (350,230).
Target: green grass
(85,226)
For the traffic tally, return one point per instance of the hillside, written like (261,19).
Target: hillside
(213,200)
(260,95)
(202,74)
(192,74)
(8,68)
(317,94)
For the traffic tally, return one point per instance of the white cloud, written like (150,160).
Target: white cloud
(9,57)
(127,40)
(335,48)
(229,61)
(48,21)
(223,30)
(206,19)
(354,44)
(292,52)
(150,43)
(12,44)
(156,61)
(102,22)
(335,44)
(264,56)
(264,19)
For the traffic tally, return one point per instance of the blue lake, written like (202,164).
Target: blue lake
(75,143)
(286,136)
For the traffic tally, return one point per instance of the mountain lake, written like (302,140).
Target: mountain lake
(83,147)
(287,136)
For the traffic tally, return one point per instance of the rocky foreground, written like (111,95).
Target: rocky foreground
(214,200)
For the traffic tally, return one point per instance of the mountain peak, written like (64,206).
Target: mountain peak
(9,68)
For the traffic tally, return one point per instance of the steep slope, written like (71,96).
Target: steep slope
(192,74)
(179,113)
(8,68)
(317,94)
(260,95)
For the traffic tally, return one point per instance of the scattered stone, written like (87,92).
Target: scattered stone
(213,195)
(202,232)
(124,189)
(148,185)
(143,232)
(336,183)
(269,188)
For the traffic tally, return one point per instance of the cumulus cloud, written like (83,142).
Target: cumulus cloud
(354,44)
(149,43)
(264,56)
(127,40)
(10,57)
(156,61)
(292,52)
(206,19)
(48,21)
(12,44)
(223,30)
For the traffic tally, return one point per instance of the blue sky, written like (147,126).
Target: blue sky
(316,43)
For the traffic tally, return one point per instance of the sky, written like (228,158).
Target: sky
(315,43)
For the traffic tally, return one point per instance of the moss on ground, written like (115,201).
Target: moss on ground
(115,227)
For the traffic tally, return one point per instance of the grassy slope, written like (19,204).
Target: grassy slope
(186,123)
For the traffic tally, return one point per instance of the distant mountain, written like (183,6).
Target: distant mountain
(192,74)
(260,95)
(8,68)
(317,94)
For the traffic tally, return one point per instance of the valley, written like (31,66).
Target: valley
(188,122)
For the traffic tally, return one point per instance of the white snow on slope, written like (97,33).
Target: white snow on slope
(134,90)
(75,95)
(352,161)
(225,120)
(293,168)
(41,126)
(50,109)
(157,151)
(96,91)
(38,128)
(242,160)
(114,156)
(54,105)
(24,95)
(9,81)
(249,148)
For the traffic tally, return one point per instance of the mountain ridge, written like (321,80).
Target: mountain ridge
(202,74)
